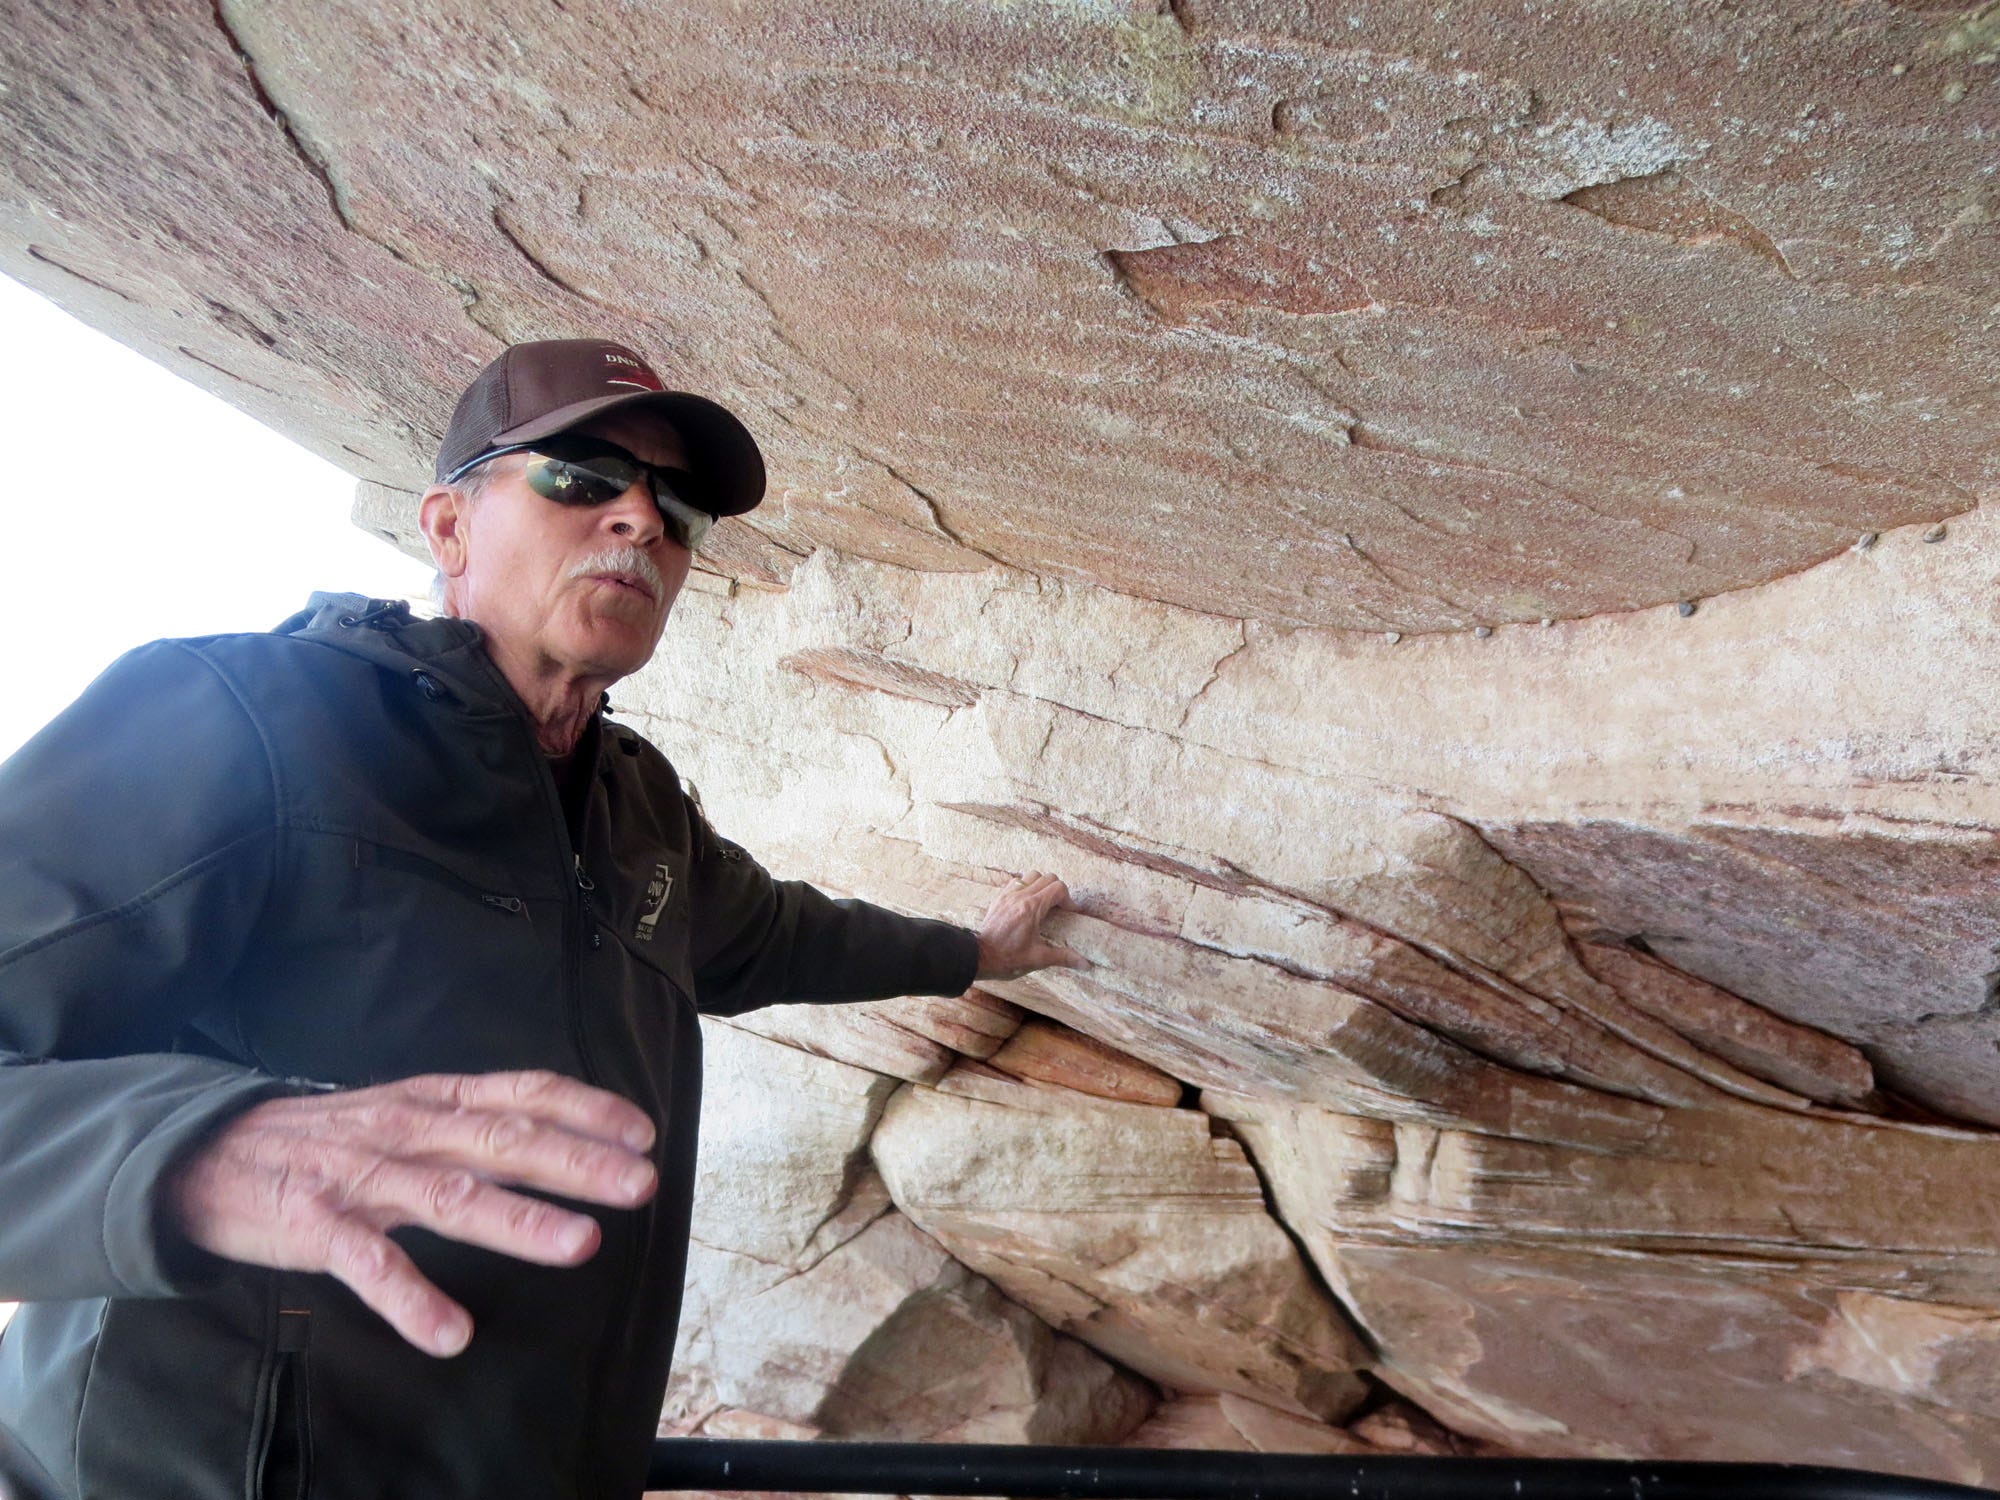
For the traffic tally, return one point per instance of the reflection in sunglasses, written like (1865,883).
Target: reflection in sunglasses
(602,479)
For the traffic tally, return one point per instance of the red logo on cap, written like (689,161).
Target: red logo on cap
(628,371)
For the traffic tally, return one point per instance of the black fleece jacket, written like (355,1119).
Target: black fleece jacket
(335,856)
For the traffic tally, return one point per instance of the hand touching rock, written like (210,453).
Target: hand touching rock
(1010,939)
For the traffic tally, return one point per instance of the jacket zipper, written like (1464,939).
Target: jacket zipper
(579,915)
(626,1274)
(283,1468)
(575,914)
(365,853)
(586,887)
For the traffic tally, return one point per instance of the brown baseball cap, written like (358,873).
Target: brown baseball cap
(537,390)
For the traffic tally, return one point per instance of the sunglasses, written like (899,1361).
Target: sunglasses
(589,471)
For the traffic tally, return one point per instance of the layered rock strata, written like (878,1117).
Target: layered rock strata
(813,1302)
(1577,1198)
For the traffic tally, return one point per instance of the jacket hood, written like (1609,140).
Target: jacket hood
(385,632)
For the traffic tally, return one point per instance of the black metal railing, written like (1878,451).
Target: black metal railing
(1187,1474)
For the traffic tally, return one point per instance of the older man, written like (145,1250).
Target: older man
(348,984)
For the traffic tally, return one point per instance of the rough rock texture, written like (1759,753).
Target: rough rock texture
(1818,1268)
(812,1302)
(1231,1424)
(1163,401)
(1045,1053)
(1131,1227)
(1795,1057)
(917,1039)
(1224,1424)
(1469,322)
(1302,899)
(1565,1352)
(1357,844)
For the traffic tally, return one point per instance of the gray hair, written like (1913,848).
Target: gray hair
(471,484)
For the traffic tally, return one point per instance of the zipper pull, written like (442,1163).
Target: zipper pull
(513,905)
(586,885)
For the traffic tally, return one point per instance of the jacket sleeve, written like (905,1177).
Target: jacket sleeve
(136,839)
(759,941)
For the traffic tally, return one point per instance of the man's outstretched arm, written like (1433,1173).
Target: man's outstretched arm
(760,941)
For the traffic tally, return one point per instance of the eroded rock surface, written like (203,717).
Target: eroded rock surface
(1130,1226)
(812,1302)
(1490,1109)
(1469,322)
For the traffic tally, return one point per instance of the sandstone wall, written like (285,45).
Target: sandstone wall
(1429,930)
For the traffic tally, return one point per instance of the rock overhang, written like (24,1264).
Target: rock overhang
(1361,316)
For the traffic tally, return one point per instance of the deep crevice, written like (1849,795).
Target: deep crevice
(541,266)
(306,155)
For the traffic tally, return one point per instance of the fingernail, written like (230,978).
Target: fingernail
(636,1179)
(452,1335)
(640,1136)
(573,1236)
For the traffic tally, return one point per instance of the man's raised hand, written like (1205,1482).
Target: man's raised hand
(1010,939)
(316,1183)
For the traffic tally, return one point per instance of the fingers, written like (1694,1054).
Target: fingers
(461,1206)
(1010,939)
(566,1102)
(378,1271)
(445,1120)
(334,1209)
(1041,891)
(317,1182)
(1059,957)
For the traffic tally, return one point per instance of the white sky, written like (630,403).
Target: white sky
(134,505)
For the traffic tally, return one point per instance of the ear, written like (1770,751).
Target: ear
(442,515)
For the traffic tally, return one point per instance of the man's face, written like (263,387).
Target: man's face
(557,585)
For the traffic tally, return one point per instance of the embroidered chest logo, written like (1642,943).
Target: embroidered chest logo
(658,889)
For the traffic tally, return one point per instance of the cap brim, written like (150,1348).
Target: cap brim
(720,450)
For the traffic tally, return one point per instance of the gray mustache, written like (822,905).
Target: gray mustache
(626,562)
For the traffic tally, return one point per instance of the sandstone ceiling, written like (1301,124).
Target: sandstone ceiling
(1458,531)
(1352,314)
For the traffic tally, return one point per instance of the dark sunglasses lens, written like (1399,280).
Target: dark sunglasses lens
(592,483)
(686,524)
